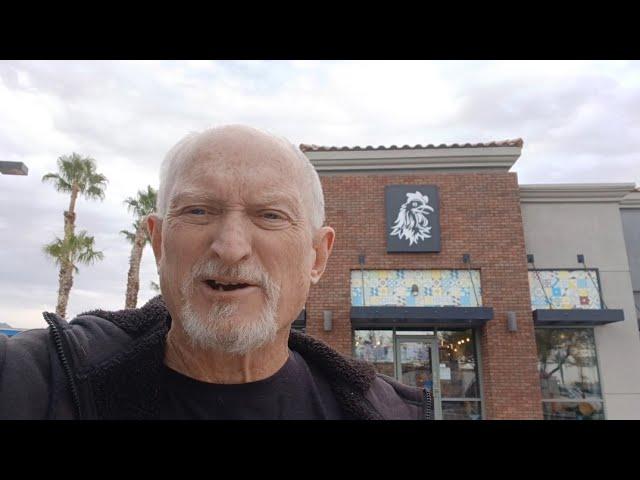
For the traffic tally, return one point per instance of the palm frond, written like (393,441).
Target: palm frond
(56,250)
(79,171)
(94,192)
(131,237)
(58,182)
(144,202)
(74,249)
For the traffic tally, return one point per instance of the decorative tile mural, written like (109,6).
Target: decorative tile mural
(416,288)
(565,289)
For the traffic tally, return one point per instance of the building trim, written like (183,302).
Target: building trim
(575,192)
(631,200)
(450,159)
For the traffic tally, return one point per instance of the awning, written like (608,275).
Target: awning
(576,317)
(420,317)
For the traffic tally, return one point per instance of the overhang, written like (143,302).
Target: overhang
(420,317)
(480,156)
(576,317)
(575,192)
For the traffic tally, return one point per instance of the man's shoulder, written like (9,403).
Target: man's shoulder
(98,335)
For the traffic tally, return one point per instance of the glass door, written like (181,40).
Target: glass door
(415,361)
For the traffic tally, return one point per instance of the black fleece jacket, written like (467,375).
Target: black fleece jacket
(107,365)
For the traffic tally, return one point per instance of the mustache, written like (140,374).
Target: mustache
(252,274)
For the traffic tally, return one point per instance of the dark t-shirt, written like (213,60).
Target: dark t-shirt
(295,392)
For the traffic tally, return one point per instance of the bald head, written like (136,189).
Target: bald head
(256,148)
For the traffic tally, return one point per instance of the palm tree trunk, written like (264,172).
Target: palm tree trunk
(65,281)
(133,277)
(70,215)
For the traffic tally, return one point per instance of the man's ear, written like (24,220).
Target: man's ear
(154,230)
(322,245)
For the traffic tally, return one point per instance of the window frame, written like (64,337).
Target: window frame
(600,399)
(475,332)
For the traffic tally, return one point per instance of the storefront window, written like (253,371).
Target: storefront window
(590,410)
(376,346)
(456,366)
(568,368)
(458,375)
(456,410)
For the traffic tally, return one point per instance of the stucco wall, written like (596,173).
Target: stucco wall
(631,226)
(555,233)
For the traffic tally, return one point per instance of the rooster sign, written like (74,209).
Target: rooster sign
(412,218)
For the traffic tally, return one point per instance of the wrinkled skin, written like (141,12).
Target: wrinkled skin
(239,201)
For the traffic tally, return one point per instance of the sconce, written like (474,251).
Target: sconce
(512,322)
(328,320)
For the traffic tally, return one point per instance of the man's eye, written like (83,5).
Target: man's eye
(272,216)
(196,211)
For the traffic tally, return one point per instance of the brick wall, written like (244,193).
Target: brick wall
(480,215)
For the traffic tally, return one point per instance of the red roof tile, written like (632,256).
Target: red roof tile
(504,143)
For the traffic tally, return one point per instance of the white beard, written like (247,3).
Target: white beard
(219,330)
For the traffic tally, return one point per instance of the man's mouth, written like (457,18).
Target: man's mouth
(226,286)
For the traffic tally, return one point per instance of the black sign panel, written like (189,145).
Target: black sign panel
(413,218)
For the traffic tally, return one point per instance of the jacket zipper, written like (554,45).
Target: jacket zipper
(58,341)
(428,404)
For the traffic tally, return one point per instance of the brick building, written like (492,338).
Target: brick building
(434,279)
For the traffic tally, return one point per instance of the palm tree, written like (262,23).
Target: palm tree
(142,205)
(67,253)
(77,176)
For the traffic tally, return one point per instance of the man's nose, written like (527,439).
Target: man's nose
(231,241)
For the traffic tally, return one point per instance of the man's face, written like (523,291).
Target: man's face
(236,250)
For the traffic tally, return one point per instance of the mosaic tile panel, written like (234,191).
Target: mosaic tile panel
(566,289)
(435,288)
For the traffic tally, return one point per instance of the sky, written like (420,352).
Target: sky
(580,122)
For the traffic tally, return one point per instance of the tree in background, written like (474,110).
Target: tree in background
(142,205)
(77,176)
(68,253)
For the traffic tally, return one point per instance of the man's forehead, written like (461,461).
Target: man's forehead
(242,163)
(238,144)
(252,196)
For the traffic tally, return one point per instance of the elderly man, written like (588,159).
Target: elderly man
(239,239)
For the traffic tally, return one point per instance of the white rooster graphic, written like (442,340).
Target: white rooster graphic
(412,222)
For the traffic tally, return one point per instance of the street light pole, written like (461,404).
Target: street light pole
(13,168)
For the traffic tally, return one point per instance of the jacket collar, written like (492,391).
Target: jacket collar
(126,386)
